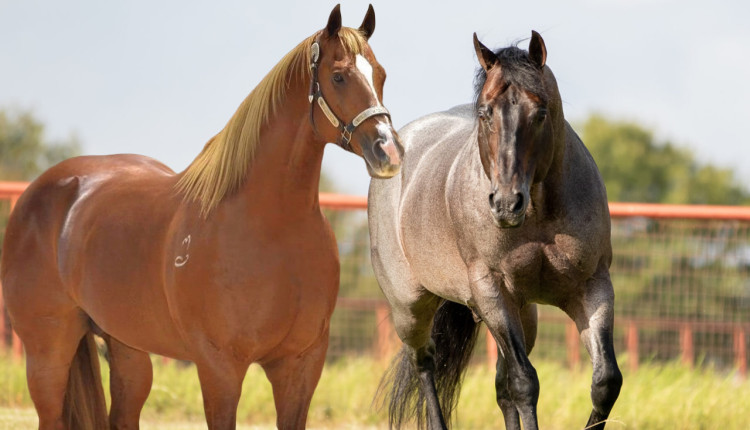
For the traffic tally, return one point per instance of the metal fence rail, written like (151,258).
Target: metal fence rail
(681,276)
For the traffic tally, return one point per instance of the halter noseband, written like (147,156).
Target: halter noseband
(317,94)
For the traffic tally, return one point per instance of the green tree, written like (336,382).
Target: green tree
(25,151)
(638,168)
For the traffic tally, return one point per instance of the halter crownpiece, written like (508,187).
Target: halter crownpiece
(317,94)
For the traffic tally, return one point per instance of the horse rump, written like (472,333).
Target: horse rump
(454,332)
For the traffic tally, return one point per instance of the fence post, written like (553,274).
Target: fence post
(491,346)
(740,350)
(632,345)
(4,323)
(16,345)
(571,342)
(686,344)
(385,343)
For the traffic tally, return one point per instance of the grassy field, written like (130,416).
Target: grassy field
(655,397)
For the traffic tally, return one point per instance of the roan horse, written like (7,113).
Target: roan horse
(225,264)
(498,206)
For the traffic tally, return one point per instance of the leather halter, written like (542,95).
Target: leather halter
(316,94)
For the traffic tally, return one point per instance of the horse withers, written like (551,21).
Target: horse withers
(498,206)
(225,264)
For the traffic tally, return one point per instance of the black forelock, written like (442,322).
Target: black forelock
(517,70)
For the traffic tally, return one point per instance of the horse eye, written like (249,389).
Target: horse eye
(338,78)
(484,112)
(541,115)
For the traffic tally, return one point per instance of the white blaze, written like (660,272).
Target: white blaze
(365,68)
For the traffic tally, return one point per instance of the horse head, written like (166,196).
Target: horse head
(347,86)
(517,111)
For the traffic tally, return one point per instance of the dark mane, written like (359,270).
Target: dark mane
(517,70)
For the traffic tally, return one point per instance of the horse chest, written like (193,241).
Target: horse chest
(542,271)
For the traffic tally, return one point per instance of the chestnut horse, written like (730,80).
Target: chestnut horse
(498,206)
(228,263)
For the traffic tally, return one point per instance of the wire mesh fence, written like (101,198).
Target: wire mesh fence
(682,293)
(682,286)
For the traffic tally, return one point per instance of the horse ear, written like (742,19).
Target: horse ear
(334,21)
(537,50)
(486,57)
(368,24)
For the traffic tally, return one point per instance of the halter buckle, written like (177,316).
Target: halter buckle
(346,136)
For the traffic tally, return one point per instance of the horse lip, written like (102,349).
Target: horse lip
(504,222)
(383,172)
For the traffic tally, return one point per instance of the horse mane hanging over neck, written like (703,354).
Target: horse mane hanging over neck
(221,167)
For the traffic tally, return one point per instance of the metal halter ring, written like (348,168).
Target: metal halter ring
(316,94)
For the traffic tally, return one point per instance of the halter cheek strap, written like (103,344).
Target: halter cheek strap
(317,95)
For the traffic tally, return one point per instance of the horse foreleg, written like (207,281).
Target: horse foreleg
(505,322)
(504,400)
(293,380)
(130,379)
(221,385)
(594,317)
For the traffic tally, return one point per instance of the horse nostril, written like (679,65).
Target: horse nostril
(492,200)
(518,205)
(377,149)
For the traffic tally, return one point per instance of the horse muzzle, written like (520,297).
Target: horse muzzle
(383,153)
(508,208)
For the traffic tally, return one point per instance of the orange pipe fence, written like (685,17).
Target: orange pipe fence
(12,190)
(386,341)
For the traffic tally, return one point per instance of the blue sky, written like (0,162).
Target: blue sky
(162,77)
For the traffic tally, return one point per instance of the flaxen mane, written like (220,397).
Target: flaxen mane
(220,169)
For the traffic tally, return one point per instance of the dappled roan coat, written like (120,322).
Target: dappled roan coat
(441,247)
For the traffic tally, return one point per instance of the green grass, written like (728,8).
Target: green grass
(656,397)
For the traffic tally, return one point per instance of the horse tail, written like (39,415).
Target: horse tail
(84,406)
(454,332)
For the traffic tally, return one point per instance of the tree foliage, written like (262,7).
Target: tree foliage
(638,168)
(25,151)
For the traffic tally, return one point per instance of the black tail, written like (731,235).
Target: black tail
(455,333)
(84,406)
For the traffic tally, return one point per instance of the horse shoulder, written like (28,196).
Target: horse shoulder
(578,235)
(434,145)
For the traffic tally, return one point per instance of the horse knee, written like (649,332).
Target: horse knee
(605,388)
(524,386)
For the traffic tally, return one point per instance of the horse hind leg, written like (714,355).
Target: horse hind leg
(529,320)
(130,379)
(52,343)
(412,374)
(294,380)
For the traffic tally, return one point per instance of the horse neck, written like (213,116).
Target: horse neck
(551,193)
(285,170)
